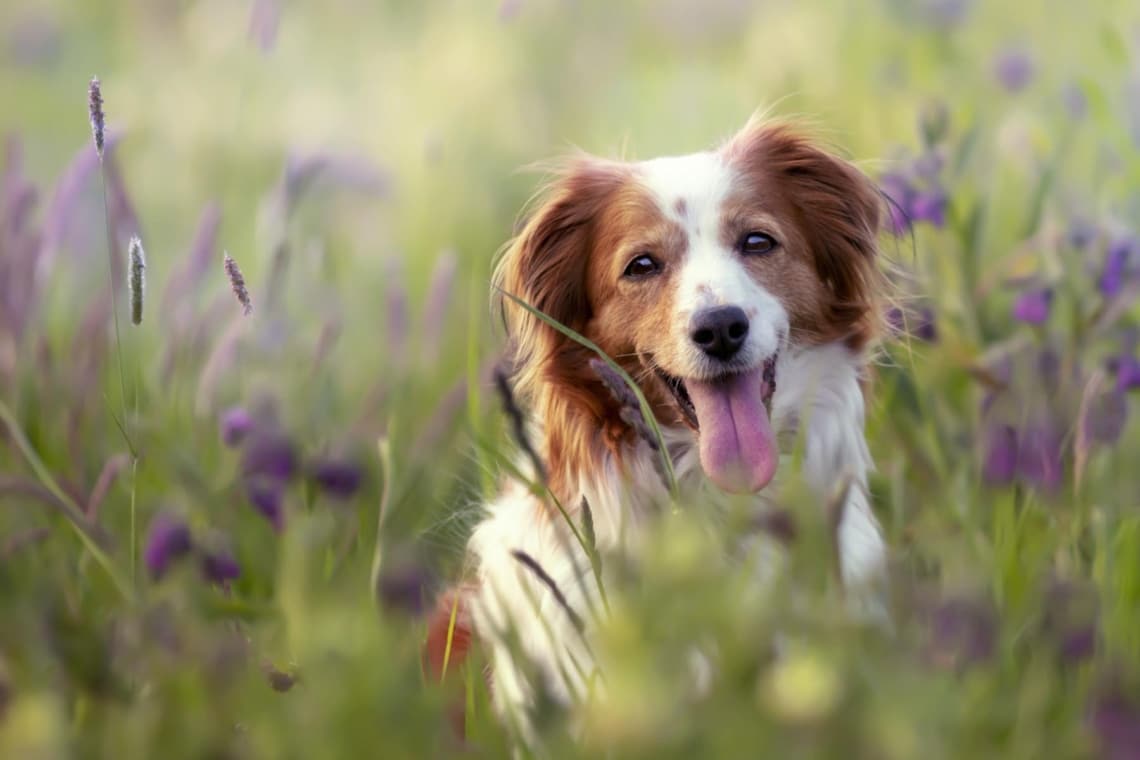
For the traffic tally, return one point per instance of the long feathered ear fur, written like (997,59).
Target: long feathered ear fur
(546,266)
(842,210)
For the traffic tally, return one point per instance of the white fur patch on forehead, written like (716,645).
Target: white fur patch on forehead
(689,189)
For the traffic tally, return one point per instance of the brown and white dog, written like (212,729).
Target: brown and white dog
(740,287)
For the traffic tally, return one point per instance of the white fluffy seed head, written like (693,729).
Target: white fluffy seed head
(136,278)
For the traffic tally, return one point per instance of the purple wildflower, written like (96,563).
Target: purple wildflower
(925,327)
(897,186)
(930,207)
(1014,69)
(337,479)
(1070,619)
(1127,373)
(1040,450)
(899,219)
(266,497)
(963,632)
(896,319)
(899,195)
(235,423)
(269,455)
(1115,718)
(168,539)
(1033,306)
(1116,266)
(920,324)
(218,566)
(1078,644)
(999,454)
(929,165)
(916,196)
(404,588)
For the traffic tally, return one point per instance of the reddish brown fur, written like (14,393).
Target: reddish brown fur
(562,264)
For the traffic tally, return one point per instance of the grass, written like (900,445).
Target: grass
(363,161)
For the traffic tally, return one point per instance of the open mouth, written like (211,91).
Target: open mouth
(680,393)
(684,401)
(730,415)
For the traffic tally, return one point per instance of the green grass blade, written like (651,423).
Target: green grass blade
(384,449)
(646,410)
(72,510)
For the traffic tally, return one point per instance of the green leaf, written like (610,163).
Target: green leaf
(588,525)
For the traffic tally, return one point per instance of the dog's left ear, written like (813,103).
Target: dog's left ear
(840,211)
(545,265)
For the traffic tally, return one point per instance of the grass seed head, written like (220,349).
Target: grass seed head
(136,281)
(627,401)
(237,283)
(95,109)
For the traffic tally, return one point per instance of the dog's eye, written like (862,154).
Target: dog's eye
(642,266)
(757,243)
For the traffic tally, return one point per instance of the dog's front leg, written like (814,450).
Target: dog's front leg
(829,405)
(836,464)
(535,607)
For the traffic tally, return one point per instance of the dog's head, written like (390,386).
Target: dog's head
(694,272)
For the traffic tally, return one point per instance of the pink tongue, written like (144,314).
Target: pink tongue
(738,449)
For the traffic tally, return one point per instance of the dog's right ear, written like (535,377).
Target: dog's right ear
(546,263)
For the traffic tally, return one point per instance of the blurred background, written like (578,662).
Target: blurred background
(190,557)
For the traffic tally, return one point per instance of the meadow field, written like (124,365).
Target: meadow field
(220,531)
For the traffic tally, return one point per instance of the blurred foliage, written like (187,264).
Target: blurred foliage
(360,160)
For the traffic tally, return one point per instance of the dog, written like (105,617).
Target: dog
(741,288)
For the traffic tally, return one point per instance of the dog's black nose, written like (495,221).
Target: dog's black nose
(720,332)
